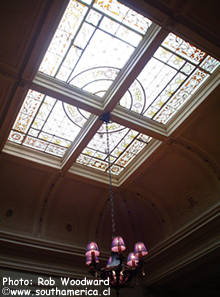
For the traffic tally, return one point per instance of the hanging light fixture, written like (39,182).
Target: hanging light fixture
(117,271)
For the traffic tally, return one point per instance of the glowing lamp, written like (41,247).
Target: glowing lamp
(132,260)
(118,245)
(92,250)
(140,249)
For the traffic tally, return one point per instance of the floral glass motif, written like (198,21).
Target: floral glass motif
(47,124)
(124,143)
(123,14)
(91,45)
(167,82)
(73,55)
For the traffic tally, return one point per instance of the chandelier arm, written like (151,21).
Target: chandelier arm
(111,197)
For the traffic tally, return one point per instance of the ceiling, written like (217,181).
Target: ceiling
(171,202)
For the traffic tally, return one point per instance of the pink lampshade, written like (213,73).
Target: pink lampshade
(118,245)
(140,249)
(132,260)
(92,249)
(90,259)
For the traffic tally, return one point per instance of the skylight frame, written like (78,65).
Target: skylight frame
(78,97)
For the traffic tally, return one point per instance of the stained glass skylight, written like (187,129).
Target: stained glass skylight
(47,124)
(169,79)
(124,143)
(96,44)
(94,40)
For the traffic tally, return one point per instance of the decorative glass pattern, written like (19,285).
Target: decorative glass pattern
(91,45)
(123,14)
(47,124)
(92,40)
(172,75)
(183,48)
(125,144)
(61,41)
(210,64)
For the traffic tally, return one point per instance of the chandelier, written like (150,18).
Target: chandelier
(118,271)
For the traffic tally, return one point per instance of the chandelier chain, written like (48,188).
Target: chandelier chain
(110,182)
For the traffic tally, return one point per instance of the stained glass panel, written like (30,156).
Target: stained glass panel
(188,68)
(181,96)
(120,31)
(124,143)
(93,42)
(210,64)
(183,48)
(102,35)
(100,56)
(47,124)
(93,17)
(123,14)
(61,41)
(89,77)
(167,82)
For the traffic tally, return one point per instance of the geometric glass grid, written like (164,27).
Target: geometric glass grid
(46,124)
(168,80)
(92,43)
(124,144)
